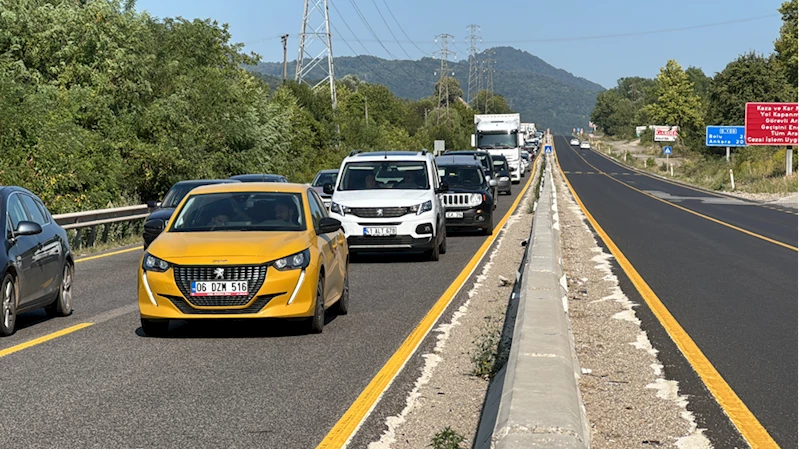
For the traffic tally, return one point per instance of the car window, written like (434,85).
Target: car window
(241,211)
(44,211)
(462,177)
(316,211)
(16,211)
(33,210)
(325,178)
(320,203)
(405,175)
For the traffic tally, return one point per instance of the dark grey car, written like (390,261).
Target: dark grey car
(502,173)
(36,260)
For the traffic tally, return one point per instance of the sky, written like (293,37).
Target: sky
(589,39)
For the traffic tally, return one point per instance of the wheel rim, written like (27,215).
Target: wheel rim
(66,288)
(8,294)
(320,301)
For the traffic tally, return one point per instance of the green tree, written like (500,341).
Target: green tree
(614,113)
(786,45)
(677,103)
(450,90)
(487,103)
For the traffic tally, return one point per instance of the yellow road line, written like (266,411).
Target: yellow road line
(113,253)
(43,339)
(740,415)
(706,217)
(348,424)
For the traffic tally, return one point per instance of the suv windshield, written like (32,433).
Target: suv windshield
(403,175)
(461,177)
(241,211)
(176,194)
(324,178)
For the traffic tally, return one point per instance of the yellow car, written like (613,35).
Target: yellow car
(249,250)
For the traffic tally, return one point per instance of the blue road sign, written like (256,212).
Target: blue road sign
(725,136)
(548,149)
(666,150)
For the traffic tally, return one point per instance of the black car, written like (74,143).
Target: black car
(260,178)
(37,261)
(485,159)
(469,202)
(502,173)
(155,223)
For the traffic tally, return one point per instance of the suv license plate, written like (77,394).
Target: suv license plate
(454,214)
(380,232)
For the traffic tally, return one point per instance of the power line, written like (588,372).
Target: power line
(410,58)
(359,41)
(403,31)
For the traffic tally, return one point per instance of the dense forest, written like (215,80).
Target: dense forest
(105,106)
(540,92)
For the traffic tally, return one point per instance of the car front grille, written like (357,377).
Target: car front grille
(379,212)
(383,241)
(253,274)
(456,199)
(185,307)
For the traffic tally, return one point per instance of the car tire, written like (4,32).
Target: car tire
(8,306)
(155,328)
(343,305)
(442,247)
(62,306)
(317,321)
(433,254)
(489,229)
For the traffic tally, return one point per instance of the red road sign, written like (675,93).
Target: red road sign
(772,124)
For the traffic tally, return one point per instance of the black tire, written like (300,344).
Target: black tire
(155,328)
(433,254)
(317,321)
(62,306)
(442,247)
(489,229)
(343,306)
(8,306)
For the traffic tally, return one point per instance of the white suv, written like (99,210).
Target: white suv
(391,201)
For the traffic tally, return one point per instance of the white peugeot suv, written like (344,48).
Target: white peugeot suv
(391,201)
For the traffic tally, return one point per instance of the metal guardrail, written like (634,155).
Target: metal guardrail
(106,219)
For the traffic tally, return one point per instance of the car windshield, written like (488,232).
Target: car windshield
(496,140)
(401,175)
(324,178)
(176,194)
(241,211)
(461,177)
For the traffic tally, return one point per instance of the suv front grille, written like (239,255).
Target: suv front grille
(253,274)
(379,212)
(185,307)
(457,199)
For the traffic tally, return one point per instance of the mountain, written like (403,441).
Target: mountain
(543,94)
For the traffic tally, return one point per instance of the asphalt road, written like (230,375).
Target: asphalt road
(242,384)
(733,293)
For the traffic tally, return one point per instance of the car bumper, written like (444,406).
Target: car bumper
(504,186)
(472,218)
(413,234)
(284,294)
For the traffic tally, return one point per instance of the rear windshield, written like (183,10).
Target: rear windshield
(401,175)
(241,211)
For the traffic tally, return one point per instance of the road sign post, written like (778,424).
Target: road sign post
(547,149)
(789,161)
(728,154)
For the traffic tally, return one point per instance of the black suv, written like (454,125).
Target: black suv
(486,161)
(469,202)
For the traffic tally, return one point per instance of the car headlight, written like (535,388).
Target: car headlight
(504,178)
(295,261)
(475,199)
(422,208)
(339,209)
(152,263)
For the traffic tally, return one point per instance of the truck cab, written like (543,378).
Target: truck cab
(500,134)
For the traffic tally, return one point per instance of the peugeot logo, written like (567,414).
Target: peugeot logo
(379,212)
(219,273)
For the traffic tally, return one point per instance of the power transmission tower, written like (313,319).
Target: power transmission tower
(473,40)
(316,18)
(284,38)
(480,73)
(443,84)
(489,78)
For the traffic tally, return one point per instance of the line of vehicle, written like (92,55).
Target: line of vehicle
(744,420)
(42,339)
(706,217)
(346,427)
(688,186)
(113,253)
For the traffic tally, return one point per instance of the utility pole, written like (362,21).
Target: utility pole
(284,38)
(316,30)
(443,85)
(480,73)
(473,40)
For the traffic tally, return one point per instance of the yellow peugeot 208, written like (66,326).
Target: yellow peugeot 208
(250,250)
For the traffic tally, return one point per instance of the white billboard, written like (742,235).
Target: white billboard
(666,133)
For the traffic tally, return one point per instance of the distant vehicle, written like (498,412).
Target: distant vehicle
(500,134)
(260,178)
(469,201)
(36,260)
(155,223)
(574,142)
(239,251)
(485,161)
(502,173)
(585,145)
(325,177)
(527,158)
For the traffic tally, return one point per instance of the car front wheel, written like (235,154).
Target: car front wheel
(318,319)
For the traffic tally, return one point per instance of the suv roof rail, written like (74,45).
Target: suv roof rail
(424,151)
(354,152)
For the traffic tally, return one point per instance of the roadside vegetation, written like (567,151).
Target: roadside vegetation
(447,439)
(691,100)
(105,106)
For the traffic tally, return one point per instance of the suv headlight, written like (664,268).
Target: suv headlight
(422,208)
(475,199)
(339,209)
(295,261)
(152,263)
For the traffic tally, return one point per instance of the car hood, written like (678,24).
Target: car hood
(381,198)
(162,214)
(227,247)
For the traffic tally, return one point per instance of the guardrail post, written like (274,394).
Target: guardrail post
(77,242)
(106,227)
(92,236)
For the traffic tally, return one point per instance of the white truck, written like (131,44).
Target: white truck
(528,131)
(501,134)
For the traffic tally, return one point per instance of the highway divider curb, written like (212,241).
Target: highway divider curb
(540,404)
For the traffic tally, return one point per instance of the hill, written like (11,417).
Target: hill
(542,93)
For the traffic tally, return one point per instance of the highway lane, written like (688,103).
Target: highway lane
(242,384)
(733,293)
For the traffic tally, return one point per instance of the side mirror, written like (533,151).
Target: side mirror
(443,187)
(328,189)
(155,226)
(493,183)
(28,228)
(474,141)
(328,225)
(153,204)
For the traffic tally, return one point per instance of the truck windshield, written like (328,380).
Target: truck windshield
(496,140)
